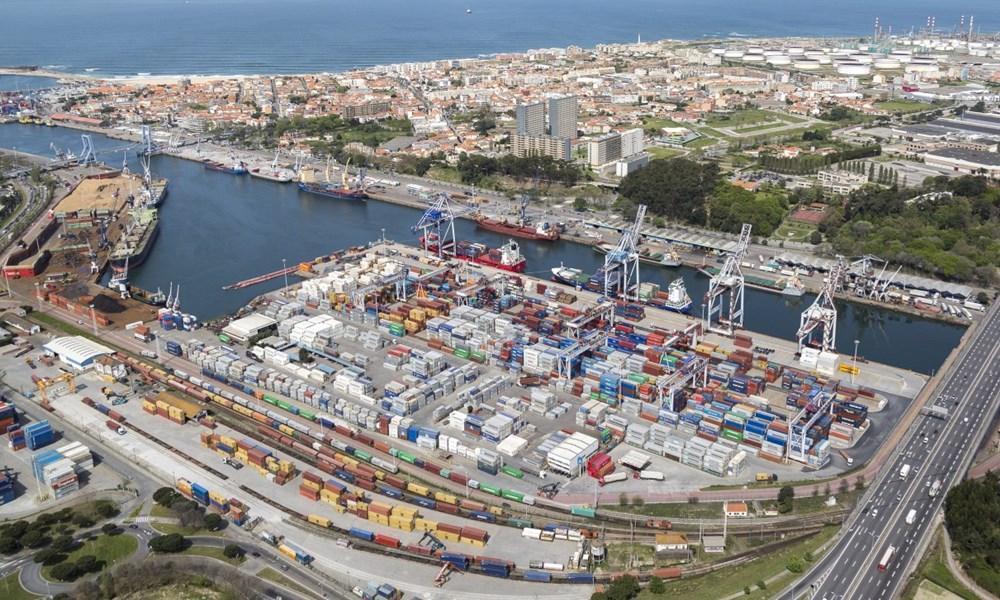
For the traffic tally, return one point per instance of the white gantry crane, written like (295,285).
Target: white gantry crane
(621,265)
(729,280)
(437,227)
(822,314)
(87,155)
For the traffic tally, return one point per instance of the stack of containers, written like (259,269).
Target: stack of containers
(488,461)
(55,472)
(694,452)
(636,434)
(39,434)
(497,428)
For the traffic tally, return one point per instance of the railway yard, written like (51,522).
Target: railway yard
(454,414)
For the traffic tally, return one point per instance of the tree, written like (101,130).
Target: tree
(623,499)
(233,551)
(786,497)
(656,585)
(580,204)
(65,572)
(676,188)
(169,543)
(625,587)
(212,521)
(983,298)
(88,564)
(746,590)
(815,238)
(106,509)
(761,585)
(859,483)
(64,543)
(9,545)
(83,521)
(35,538)
(43,555)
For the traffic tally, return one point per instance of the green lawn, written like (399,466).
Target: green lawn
(212,552)
(794,232)
(677,510)
(724,582)
(107,548)
(744,119)
(934,568)
(449,174)
(271,575)
(903,106)
(161,512)
(166,528)
(10,588)
(136,511)
(658,124)
(700,142)
(660,152)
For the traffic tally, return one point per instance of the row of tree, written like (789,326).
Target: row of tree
(812,163)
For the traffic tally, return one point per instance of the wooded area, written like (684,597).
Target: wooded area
(972,515)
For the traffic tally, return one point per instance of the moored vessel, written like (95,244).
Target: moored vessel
(506,258)
(543,231)
(136,240)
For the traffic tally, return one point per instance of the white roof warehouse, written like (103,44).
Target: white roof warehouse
(77,351)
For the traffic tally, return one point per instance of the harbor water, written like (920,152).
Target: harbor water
(217,229)
(125,37)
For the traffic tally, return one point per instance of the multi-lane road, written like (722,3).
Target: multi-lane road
(934,450)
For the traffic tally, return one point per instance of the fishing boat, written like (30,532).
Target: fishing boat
(569,276)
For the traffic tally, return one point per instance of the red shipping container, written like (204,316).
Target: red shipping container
(308,493)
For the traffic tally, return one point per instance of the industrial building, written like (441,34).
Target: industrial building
(248,327)
(77,352)
(971,162)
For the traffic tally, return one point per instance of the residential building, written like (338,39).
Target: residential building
(540,145)
(671,545)
(631,164)
(531,118)
(632,142)
(605,149)
(563,113)
(736,510)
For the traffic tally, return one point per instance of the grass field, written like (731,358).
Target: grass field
(741,120)
(658,124)
(10,588)
(107,548)
(136,511)
(903,106)
(656,152)
(212,552)
(725,582)
(449,174)
(677,510)
(934,568)
(271,575)
(701,142)
(161,512)
(793,232)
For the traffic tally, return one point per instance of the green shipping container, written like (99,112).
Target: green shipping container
(270,399)
(512,495)
(307,414)
(519,523)
(285,406)
(224,338)
(513,472)
(489,489)
(362,455)
(403,456)
(583,511)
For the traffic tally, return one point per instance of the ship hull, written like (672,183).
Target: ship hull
(137,258)
(485,261)
(275,178)
(337,193)
(677,308)
(225,169)
(529,233)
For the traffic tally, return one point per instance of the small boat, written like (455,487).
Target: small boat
(793,287)
(569,276)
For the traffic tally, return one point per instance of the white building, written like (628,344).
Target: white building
(570,455)
(243,329)
(77,351)
(631,164)
(632,142)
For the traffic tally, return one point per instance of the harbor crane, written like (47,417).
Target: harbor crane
(729,280)
(822,314)
(621,265)
(880,287)
(87,155)
(437,227)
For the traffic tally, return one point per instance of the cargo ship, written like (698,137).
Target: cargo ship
(675,299)
(543,231)
(279,176)
(580,280)
(237,168)
(344,192)
(669,258)
(120,284)
(134,245)
(506,258)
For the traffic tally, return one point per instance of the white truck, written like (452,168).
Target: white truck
(935,488)
(904,471)
(911,516)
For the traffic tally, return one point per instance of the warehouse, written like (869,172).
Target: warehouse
(569,455)
(243,329)
(76,351)
(965,161)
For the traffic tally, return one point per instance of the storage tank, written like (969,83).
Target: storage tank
(824,60)
(806,64)
(864,59)
(733,54)
(853,69)
(921,68)
(753,58)
(887,63)
(796,50)
(780,59)
(773,52)
(718,51)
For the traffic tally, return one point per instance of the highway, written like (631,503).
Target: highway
(934,449)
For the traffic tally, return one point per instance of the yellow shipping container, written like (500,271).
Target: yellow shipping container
(412,326)
(418,314)
(225,439)
(404,524)
(286,551)
(148,406)
(425,524)
(184,486)
(311,485)
(377,518)
(318,520)
(446,498)
(403,511)
(285,429)
(473,542)
(447,536)
(286,466)
(417,489)
(496,510)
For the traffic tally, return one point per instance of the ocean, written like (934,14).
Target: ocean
(129,37)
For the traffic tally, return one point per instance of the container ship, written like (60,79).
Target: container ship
(332,191)
(675,299)
(237,168)
(136,241)
(506,258)
(543,231)
(580,280)
(669,258)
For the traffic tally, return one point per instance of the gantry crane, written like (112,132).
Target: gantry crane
(87,155)
(728,280)
(44,385)
(822,314)
(437,227)
(621,265)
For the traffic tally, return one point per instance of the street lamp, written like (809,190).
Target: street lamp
(284,268)
(93,318)
(854,367)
